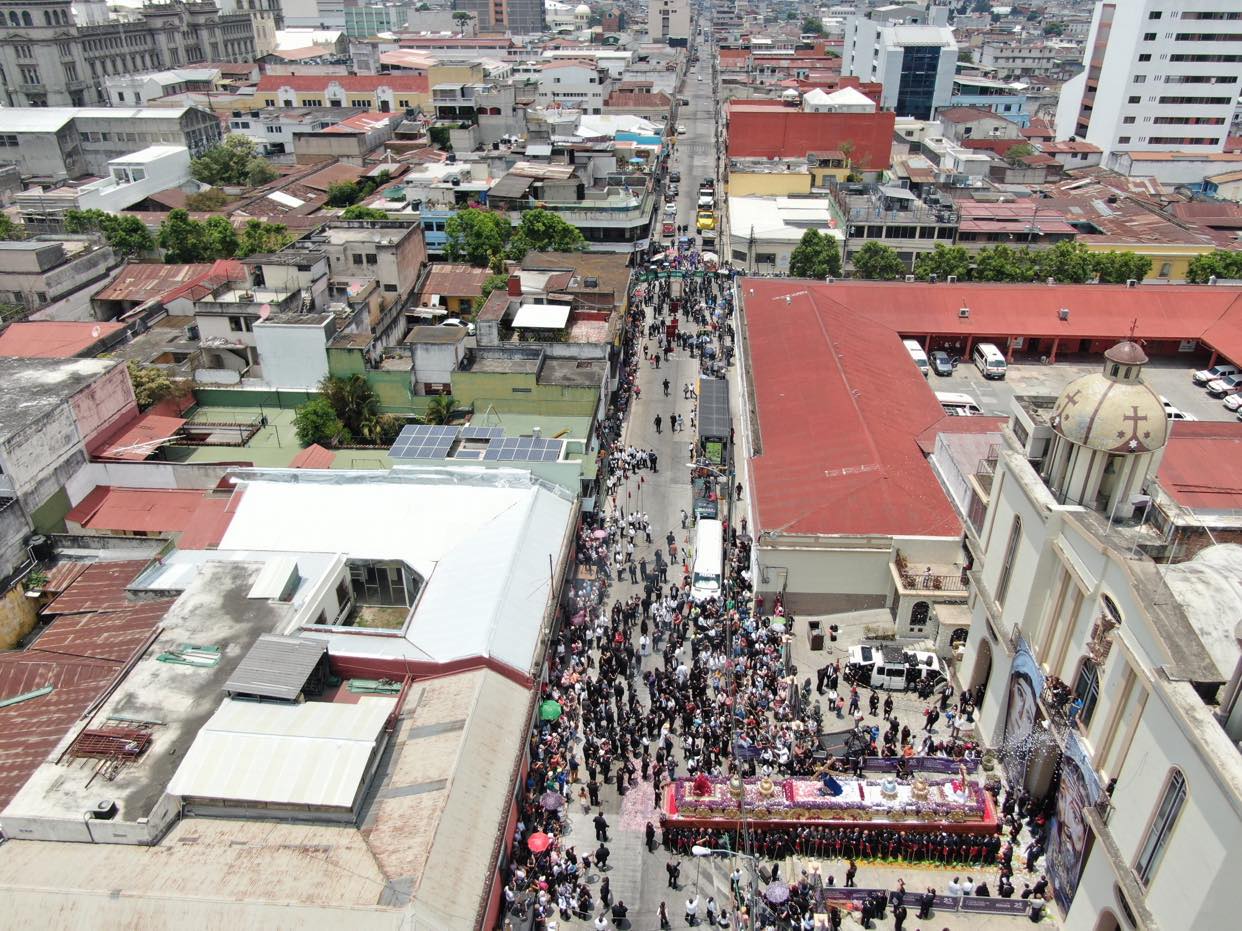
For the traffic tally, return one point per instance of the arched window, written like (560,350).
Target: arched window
(47,18)
(1011,550)
(13,20)
(1161,827)
(1086,692)
(919,613)
(26,20)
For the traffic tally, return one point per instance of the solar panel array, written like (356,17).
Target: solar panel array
(427,441)
(424,441)
(524,449)
(482,433)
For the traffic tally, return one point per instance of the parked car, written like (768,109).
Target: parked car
(706,220)
(675,177)
(891,667)
(681,129)
(1227,385)
(941,362)
(1203,376)
(457,322)
(1233,402)
(671,208)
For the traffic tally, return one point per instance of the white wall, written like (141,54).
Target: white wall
(292,355)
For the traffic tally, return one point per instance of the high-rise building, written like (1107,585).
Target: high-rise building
(669,21)
(49,59)
(909,51)
(1159,75)
(516,17)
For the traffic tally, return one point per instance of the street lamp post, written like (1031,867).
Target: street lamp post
(700,852)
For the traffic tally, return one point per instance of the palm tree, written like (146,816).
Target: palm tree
(440,410)
(354,401)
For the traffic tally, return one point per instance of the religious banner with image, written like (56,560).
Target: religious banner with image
(1069,837)
(1026,684)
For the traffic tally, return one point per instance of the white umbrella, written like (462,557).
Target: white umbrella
(711,258)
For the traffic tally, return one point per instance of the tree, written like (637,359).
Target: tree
(354,401)
(942,262)
(812,26)
(1054,29)
(151,384)
(476,236)
(493,283)
(1120,267)
(1021,150)
(126,234)
(878,262)
(1003,263)
(815,256)
(207,201)
(439,136)
(1068,262)
(1219,264)
(544,231)
(343,194)
(359,212)
(260,237)
(462,17)
(439,410)
(10,230)
(187,240)
(316,422)
(966,57)
(234,162)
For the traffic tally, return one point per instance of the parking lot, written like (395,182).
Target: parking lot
(1170,378)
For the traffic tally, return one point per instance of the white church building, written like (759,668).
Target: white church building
(1108,654)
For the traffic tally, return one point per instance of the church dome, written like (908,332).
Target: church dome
(1113,410)
(582,10)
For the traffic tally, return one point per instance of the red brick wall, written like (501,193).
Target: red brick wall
(788,133)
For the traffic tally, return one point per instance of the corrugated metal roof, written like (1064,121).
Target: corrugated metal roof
(100,588)
(313,754)
(54,339)
(714,421)
(276,667)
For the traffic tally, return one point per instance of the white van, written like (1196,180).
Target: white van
(958,405)
(989,361)
(708,560)
(917,354)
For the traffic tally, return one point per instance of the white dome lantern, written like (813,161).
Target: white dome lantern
(1111,429)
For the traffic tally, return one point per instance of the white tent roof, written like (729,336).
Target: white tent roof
(541,316)
(481,538)
(313,753)
(596,125)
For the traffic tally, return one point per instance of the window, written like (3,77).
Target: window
(390,287)
(1123,140)
(1146,56)
(1155,14)
(1166,269)
(1135,99)
(1149,37)
(1161,827)
(1011,550)
(1086,692)
(372,258)
(1127,120)
(8,140)
(1140,79)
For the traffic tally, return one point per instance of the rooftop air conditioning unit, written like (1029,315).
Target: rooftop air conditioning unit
(910,278)
(1131,282)
(1063,313)
(951,279)
(1211,279)
(963,312)
(1051,280)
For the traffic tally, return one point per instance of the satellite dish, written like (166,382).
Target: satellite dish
(265,311)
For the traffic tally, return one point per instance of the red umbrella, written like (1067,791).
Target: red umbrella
(538,842)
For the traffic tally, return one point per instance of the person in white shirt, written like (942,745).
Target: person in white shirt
(955,889)
(692,911)
(968,887)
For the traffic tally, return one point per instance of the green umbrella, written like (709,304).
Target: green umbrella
(549,710)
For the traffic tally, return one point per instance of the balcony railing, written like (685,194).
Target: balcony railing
(932,582)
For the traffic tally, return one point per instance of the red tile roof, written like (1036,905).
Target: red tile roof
(209,523)
(134,440)
(1200,465)
(100,588)
(137,510)
(313,457)
(362,83)
(840,410)
(776,131)
(79,656)
(53,339)
(139,281)
(449,280)
(837,448)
